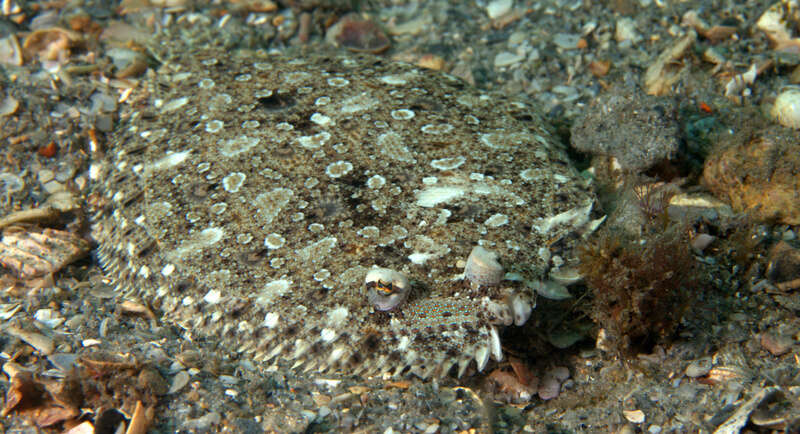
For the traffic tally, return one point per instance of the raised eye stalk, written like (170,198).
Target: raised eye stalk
(386,288)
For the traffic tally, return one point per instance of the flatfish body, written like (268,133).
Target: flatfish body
(246,196)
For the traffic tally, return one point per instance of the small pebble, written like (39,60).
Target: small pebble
(566,41)
(8,106)
(505,59)
(150,379)
(75,322)
(777,345)
(561,373)
(783,263)
(517,38)
(431,61)
(48,317)
(53,187)
(83,428)
(626,31)
(102,102)
(202,423)
(358,34)
(157,355)
(104,123)
(627,429)
(701,241)
(431,429)
(549,388)
(551,289)
(699,368)
(64,171)
(63,201)
(180,380)
(10,51)
(634,416)
(62,361)
(42,343)
(10,183)
(498,8)
(787,108)
(228,379)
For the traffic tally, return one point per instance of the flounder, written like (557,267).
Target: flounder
(247,196)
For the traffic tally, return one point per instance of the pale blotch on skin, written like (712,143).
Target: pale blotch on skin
(214,126)
(449,163)
(339,169)
(375,182)
(233,182)
(402,114)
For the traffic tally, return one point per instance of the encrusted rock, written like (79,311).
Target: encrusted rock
(783,263)
(786,109)
(358,34)
(699,368)
(759,175)
(249,197)
(776,344)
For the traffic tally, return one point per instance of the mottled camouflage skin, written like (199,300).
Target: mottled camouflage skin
(247,196)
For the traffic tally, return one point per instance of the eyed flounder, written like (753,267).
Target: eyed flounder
(247,197)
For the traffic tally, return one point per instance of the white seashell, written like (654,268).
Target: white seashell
(482,268)
(565,275)
(482,357)
(494,345)
(386,288)
(550,289)
(786,109)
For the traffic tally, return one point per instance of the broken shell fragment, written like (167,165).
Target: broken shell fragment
(521,309)
(386,288)
(550,289)
(494,344)
(786,109)
(482,268)
(33,252)
(566,275)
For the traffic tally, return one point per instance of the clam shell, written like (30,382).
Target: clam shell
(482,268)
(786,109)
